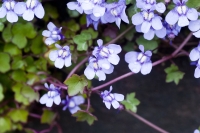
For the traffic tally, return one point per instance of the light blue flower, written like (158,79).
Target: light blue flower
(62,56)
(139,61)
(29,9)
(96,67)
(115,12)
(53,34)
(111,98)
(172,30)
(181,13)
(7,10)
(147,19)
(196,131)
(73,103)
(53,95)
(108,52)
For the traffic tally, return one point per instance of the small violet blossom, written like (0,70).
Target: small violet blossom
(147,19)
(181,13)
(53,34)
(194,56)
(95,67)
(7,10)
(151,4)
(29,9)
(73,103)
(116,12)
(53,95)
(107,53)
(111,98)
(172,30)
(194,26)
(139,61)
(62,56)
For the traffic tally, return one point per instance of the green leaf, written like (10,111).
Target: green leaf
(29,31)
(29,93)
(72,25)
(5,124)
(37,45)
(94,34)
(18,115)
(75,84)
(12,49)
(20,40)
(73,13)
(1,93)
(132,10)
(131,102)
(7,34)
(32,78)
(82,41)
(18,63)
(193,3)
(41,64)
(85,116)
(51,11)
(148,44)
(173,74)
(1,26)
(5,62)
(19,76)
(48,116)
(18,96)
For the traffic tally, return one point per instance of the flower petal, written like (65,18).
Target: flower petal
(68,61)
(146,68)
(101,75)
(124,16)
(192,14)
(156,23)
(44,99)
(183,21)
(145,26)
(161,33)
(135,67)
(78,100)
(197,34)
(59,63)
(104,63)
(108,104)
(194,54)
(20,8)
(108,71)
(118,22)
(114,59)
(197,73)
(149,35)
(57,100)
(46,33)
(160,7)
(172,14)
(49,41)
(116,48)
(3,12)
(51,26)
(28,15)
(74,110)
(89,72)
(12,17)
(137,19)
(49,102)
(194,25)
(131,56)
(115,104)
(100,42)
(118,97)
(39,11)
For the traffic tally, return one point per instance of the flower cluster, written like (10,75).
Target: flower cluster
(102,60)
(139,61)
(195,56)
(12,9)
(111,98)
(99,11)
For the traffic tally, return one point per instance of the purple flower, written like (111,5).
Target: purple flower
(7,10)
(116,12)
(151,4)
(75,6)
(172,30)
(152,32)
(73,103)
(111,98)
(29,9)
(139,61)
(147,19)
(196,131)
(96,67)
(62,56)
(53,95)
(181,13)
(108,53)
(95,22)
(194,26)
(53,34)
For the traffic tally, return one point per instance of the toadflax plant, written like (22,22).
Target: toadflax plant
(46,70)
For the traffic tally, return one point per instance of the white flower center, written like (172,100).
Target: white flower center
(150,1)
(63,53)
(104,52)
(148,15)
(31,3)
(181,9)
(109,98)
(71,104)
(95,65)
(10,5)
(114,12)
(142,58)
(52,94)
